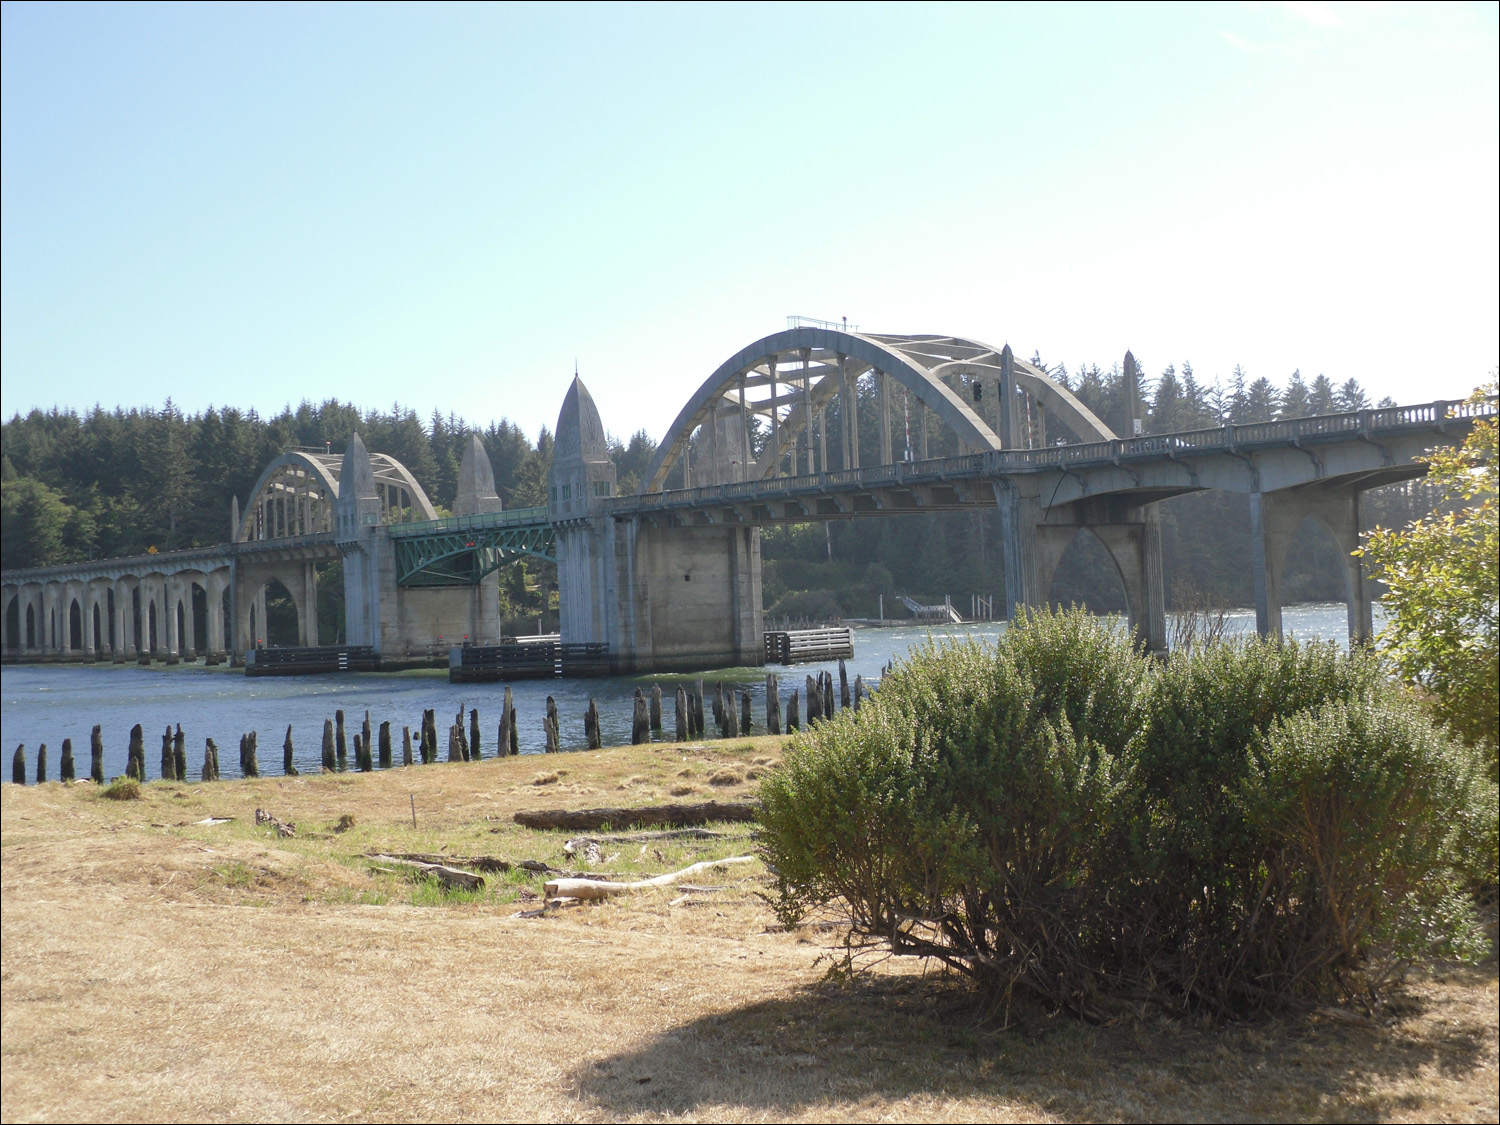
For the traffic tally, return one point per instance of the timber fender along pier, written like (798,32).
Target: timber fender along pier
(669,579)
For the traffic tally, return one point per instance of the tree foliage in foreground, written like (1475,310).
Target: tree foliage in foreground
(1442,591)
(1059,819)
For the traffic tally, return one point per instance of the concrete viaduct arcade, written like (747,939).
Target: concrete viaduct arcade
(670,578)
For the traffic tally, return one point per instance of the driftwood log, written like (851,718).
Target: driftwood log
(579,842)
(596,888)
(585,820)
(479,862)
(452,876)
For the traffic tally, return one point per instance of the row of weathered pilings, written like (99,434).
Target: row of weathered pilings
(373,748)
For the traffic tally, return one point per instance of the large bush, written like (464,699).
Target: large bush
(1059,818)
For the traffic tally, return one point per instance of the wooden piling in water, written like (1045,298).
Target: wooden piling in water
(859,692)
(549,727)
(96,755)
(385,744)
(591,730)
(208,759)
(640,720)
(455,732)
(793,720)
(697,715)
(745,718)
(475,754)
(843,686)
(512,743)
(406,746)
(502,736)
(814,703)
(369,742)
(179,754)
(252,764)
(18,766)
(168,759)
(339,744)
(65,771)
(135,755)
(656,708)
(330,763)
(288,767)
(463,738)
(41,763)
(683,723)
(773,704)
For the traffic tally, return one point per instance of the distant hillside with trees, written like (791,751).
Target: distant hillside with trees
(108,483)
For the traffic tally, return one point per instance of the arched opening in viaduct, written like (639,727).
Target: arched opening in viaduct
(1087,574)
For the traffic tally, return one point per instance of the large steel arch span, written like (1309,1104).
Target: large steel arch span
(788,378)
(295,494)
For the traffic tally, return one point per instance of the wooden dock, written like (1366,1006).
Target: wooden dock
(544,660)
(311,661)
(809,646)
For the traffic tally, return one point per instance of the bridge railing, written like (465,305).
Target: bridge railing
(484,521)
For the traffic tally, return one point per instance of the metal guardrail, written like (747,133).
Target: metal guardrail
(997,463)
(485,521)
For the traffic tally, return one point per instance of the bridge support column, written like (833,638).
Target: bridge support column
(1275,518)
(307,605)
(189,621)
(1033,540)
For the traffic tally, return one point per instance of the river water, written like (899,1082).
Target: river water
(47,703)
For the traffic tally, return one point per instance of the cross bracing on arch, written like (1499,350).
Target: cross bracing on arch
(763,412)
(296,491)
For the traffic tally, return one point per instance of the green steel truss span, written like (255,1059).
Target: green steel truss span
(461,550)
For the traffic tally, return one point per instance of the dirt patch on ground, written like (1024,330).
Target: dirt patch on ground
(155,966)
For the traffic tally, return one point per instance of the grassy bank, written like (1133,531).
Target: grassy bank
(159,967)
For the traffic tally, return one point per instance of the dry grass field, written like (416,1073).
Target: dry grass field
(158,968)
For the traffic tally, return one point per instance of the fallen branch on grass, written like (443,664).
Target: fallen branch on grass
(583,820)
(574,844)
(478,862)
(450,875)
(282,827)
(596,889)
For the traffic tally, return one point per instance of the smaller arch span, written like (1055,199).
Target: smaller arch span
(296,492)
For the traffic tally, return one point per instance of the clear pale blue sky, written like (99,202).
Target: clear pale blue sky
(443,206)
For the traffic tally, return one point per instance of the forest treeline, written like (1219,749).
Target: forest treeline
(123,482)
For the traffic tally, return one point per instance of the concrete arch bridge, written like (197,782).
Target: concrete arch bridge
(670,578)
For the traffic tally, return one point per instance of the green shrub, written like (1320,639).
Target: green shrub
(122,789)
(1056,816)
(959,814)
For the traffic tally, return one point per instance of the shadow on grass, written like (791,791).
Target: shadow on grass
(888,1039)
